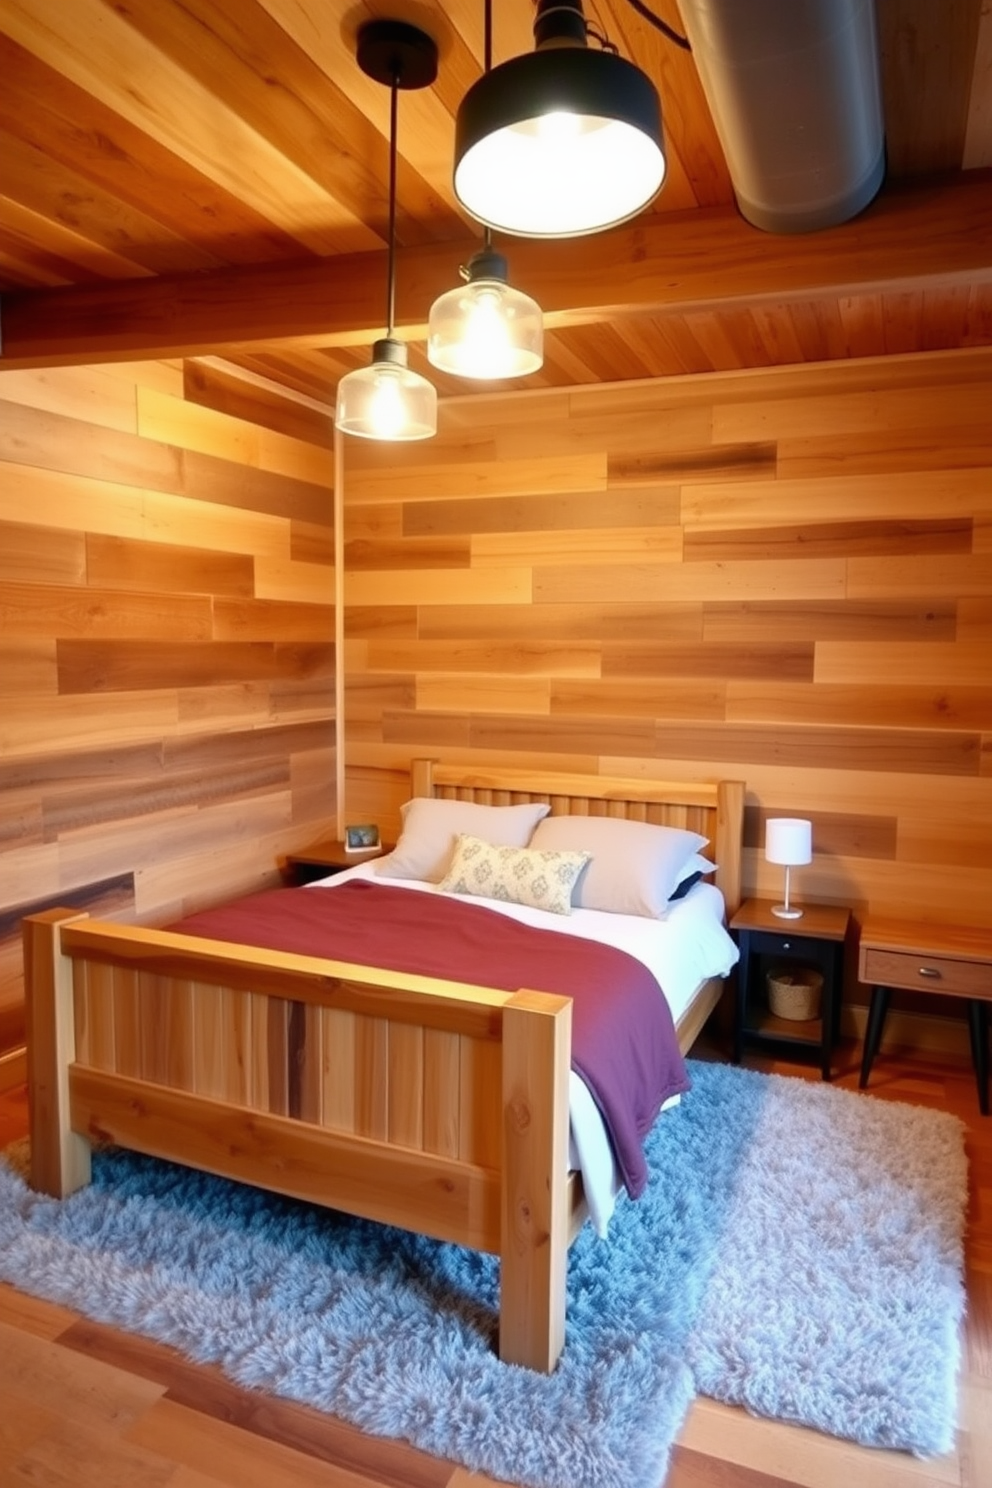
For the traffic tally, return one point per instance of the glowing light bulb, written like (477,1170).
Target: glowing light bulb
(487,329)
(556,128)
(386,400)
(486,347)
(386,410)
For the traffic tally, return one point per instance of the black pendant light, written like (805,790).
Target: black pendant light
(564,141)
(387,400)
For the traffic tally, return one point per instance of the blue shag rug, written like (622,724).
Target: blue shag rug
(799,1252)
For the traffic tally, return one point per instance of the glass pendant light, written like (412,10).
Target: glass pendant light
(561,142)
(486,329)
(387,400)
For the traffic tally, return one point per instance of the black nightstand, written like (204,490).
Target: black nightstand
(325,858)
(765,940)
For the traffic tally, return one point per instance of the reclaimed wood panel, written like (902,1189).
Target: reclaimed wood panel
(611,698)
(630,545)
(116,563)
(462,586)
(34,555)
(92,394)
(481,478)
(864,703)
(662,621)
(795,578)
(655,507)
(55,500)
(832,539)
(765,620)
(914,495)
(489,694)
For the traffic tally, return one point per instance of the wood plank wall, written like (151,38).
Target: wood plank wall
(167,724)
(783,576)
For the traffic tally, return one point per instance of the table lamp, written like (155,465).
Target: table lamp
(788,840)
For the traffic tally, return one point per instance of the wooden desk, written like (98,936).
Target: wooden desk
(942,960)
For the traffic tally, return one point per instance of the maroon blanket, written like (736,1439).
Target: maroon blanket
(623,1039)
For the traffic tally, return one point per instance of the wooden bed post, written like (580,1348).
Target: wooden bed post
(60,1159)
(727,847)
(422,777)
(537,1040)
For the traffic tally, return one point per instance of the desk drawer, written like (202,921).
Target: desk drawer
(924,973)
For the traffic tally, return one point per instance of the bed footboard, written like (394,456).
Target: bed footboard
(435,1106)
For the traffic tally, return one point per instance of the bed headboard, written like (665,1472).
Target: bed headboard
(714,808)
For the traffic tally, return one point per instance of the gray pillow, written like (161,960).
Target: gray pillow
(635,867)
(431,828)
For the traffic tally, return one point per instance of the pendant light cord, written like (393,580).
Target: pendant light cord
(662,26)
(487,66)
(391,270)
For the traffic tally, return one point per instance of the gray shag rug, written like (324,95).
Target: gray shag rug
(799,1252)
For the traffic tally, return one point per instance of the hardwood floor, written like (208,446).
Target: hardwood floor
(86,1406)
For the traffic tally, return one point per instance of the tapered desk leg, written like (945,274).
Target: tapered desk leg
(873,1033)
(978,1027)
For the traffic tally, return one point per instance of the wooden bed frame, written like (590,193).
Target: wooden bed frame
(437,1106)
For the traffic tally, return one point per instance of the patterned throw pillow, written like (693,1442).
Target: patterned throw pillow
(517,875)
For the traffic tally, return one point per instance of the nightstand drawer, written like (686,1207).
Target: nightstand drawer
(918,971)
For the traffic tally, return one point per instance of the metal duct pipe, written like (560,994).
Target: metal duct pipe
(794,90)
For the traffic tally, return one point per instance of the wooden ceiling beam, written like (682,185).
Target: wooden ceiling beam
(926,237)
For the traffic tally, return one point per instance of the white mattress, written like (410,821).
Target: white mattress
(682,951)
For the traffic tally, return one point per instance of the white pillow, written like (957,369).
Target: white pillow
(430,827)
(635,866)
(516,875)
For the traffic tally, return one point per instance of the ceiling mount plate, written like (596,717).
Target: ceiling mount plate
(396,53)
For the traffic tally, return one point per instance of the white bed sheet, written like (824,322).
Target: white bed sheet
(682,951)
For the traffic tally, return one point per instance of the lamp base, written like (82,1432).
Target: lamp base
(786,912)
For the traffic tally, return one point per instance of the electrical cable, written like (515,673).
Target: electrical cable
(662,26)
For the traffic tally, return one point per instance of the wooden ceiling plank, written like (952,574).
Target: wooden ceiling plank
(237,52)
(55,116)
(325,30)
(936,236)
(97,49)
(56,254)
(129,241)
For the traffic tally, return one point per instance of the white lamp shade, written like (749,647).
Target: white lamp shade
(559,143)
(386,400)
(486,329)
(788,840)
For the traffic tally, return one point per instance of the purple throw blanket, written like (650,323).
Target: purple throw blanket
(623,1039)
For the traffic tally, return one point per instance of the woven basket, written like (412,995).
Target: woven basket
(794,992)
